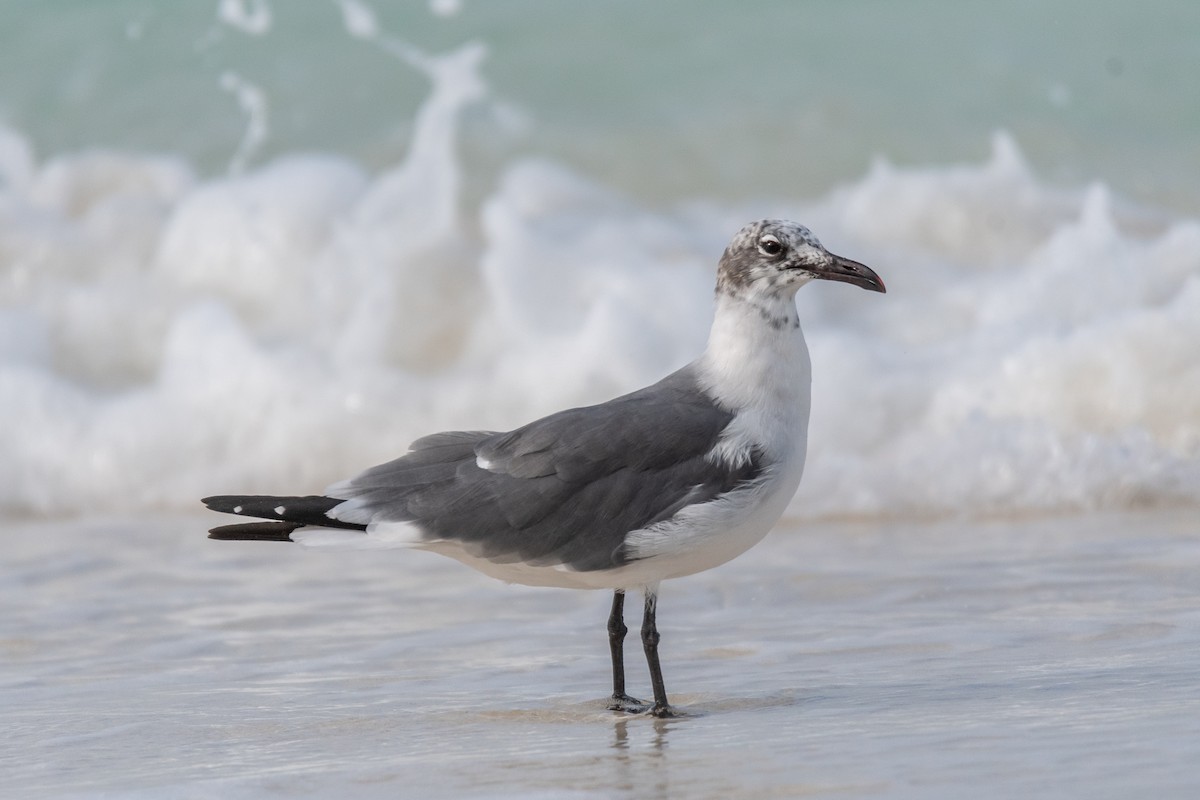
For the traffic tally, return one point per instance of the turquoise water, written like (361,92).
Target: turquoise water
(671,100)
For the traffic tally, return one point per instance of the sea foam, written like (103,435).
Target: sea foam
(165,336)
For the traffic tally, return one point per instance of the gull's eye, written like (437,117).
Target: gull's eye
(769,246)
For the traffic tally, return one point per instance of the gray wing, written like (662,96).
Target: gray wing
(565,489)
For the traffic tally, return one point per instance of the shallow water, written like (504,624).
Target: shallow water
(1051,657)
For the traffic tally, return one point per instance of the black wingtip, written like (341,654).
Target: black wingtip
(308,510)
(222,502)
(255,532)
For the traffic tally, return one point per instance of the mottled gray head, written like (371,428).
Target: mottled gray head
(776,257)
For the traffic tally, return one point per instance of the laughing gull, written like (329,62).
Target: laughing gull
(672,479)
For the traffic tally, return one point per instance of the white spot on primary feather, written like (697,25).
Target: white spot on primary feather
(237,509)
(280,510)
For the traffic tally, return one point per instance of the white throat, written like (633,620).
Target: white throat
(757,365)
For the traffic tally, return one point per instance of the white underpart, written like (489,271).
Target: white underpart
(759,371)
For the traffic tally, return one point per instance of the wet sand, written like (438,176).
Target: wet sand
(1045,657)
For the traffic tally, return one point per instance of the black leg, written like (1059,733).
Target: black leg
(650,639)
(616,643)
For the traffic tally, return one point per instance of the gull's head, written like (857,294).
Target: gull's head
(775,257)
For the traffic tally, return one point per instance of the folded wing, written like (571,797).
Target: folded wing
(565,489)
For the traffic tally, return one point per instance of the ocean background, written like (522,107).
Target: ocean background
(254,246)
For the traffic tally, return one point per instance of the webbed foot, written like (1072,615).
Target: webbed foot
(666,712)
(627,704)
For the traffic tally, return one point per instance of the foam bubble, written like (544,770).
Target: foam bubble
(248,16)
(16,161)
(358,19)
(253,102)
(445,8)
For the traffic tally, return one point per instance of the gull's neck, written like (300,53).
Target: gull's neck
(756,357)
